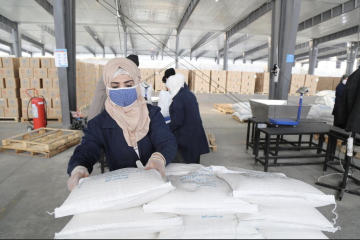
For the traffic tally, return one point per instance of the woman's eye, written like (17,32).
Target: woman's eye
(129,86)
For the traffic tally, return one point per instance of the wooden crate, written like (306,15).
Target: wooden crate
(44,142)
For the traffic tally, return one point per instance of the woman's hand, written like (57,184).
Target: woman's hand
(76,175)
(157,162)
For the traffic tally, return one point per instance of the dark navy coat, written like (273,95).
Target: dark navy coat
(339,93)
(186,125)
(104,134)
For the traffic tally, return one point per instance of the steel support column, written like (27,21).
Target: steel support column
(313,54)
(177,51)
(218,58)
(226,51)
(16,36)
(64,19)
(289,21)
(43,51)
(244,58)
(125,44)
(352,52)
(273,57)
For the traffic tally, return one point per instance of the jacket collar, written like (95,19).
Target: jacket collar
(109,122)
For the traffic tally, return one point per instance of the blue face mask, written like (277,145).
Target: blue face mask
(123,97)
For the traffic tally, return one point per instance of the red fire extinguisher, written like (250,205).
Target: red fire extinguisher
(38,109)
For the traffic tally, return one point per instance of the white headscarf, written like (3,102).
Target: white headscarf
(175,83)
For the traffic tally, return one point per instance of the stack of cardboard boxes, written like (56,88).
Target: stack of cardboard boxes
(148,75)
(328,83)
(248,83)
(184,72)
(218,81)
(39,77)
(87,77)
(200,81)
(9,84)
(311,82)
(297,81)
(234,82)
(262,83)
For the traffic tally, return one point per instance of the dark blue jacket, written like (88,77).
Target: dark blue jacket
(103,133)
(339,92)
(186,125)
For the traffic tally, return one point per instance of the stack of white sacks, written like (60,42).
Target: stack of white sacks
(323,108)
(242,110)
(197,203)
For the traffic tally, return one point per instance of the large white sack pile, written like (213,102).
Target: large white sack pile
(242,110)
(323,108)
(198,203)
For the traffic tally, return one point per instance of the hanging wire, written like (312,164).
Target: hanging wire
(118,24)
(183,56)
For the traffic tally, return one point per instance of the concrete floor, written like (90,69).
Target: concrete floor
(29,187)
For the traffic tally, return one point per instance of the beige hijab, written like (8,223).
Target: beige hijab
(133,120)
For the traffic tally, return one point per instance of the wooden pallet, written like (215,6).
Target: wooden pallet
(12,120)
(200,92)
(44,142)
(59,120)
(247,93)
(224,108)
(238,119)
(261,93)
(212,141)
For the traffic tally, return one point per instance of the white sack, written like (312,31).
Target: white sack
(326,101)
(200,193)
(165,101)
(293,218)
(179,169)
(313,114)
(243,117)
(123,189)
(211,227)
(221,169)
(291,234)
(326,93)
(273,190)
(123,223)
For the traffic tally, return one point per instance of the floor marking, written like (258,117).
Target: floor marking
(10,206)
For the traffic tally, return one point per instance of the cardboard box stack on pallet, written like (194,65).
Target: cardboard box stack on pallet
(248,83)
(327,83)
(297,81)
(234,82)
(311,82)
(184,72)
(9,84)
(87,76)
(40,74)
(218,81)
(200,81)
(148,75)
(158,83)
(262,83)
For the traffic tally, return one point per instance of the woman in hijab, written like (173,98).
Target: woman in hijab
(128,130)
(186,123)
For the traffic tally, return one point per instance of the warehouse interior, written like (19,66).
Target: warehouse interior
(235,55)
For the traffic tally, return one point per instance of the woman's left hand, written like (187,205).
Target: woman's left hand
(157,165)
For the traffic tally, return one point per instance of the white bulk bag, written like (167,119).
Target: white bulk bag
(293,218)
(323,111)
(123,189)
(123,223)
(179,169)
(221,169)
(273,190)
(243,117)
(200,193)
(211,227)
(291,234)
(165,101)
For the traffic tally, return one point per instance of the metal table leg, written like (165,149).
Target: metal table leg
(277,148)
(267,152)
(248,136)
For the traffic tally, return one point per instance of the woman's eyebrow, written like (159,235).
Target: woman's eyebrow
(115,83)
(129,81)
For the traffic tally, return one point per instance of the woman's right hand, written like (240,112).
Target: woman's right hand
(76,175)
